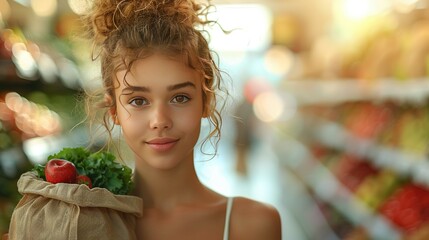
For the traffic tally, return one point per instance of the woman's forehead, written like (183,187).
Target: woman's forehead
(157,68)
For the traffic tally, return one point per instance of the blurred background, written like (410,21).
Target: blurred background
(328,118)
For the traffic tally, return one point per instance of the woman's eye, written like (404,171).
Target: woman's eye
(180,99)
(138,101)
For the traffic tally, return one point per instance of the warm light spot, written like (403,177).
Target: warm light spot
(44,8)
(13,101)
(278,60)
(357,9)
(31,118)
(268,106)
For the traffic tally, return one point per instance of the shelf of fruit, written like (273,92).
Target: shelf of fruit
(344,90)
(390,135)
(403,203)
(404,163)
(329,189)
(378,151)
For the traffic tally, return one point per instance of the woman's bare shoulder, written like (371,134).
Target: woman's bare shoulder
(251,219)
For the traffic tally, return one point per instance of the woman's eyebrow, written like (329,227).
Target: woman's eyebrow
(180,85)
(135,89)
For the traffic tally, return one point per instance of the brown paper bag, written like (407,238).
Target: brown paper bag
(72,211)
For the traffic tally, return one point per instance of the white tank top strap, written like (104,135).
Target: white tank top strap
(227,218)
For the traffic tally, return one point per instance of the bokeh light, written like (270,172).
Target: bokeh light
(24,61)
(44,8)
(30,118)
(248,26)
(268,106)
(278,60)
(13,101)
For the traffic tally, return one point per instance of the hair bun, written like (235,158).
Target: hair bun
(109,16)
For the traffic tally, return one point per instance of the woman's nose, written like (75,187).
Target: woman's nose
(160,118)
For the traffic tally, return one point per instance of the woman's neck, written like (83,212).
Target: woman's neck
(168,189)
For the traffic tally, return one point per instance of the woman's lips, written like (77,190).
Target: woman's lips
(162,144)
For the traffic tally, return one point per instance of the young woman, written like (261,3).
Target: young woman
(159,82)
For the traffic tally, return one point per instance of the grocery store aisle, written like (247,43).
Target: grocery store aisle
(263,181)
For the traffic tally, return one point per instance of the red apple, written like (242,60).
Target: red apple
(83,179)
(60,171)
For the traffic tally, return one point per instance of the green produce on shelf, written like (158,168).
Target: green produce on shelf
(377,188)
(415,133)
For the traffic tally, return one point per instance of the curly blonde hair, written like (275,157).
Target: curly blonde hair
(124,31)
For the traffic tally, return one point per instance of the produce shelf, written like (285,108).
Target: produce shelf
(405,164)
(327,188)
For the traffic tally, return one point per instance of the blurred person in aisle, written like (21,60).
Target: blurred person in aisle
(246,123)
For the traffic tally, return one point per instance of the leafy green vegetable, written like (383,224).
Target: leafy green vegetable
(101,167)
(40,170)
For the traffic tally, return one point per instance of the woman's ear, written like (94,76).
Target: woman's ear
(207,106)
(114,116)
(112,108)
(205,112)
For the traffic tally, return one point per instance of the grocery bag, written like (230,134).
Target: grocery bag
(72,211)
